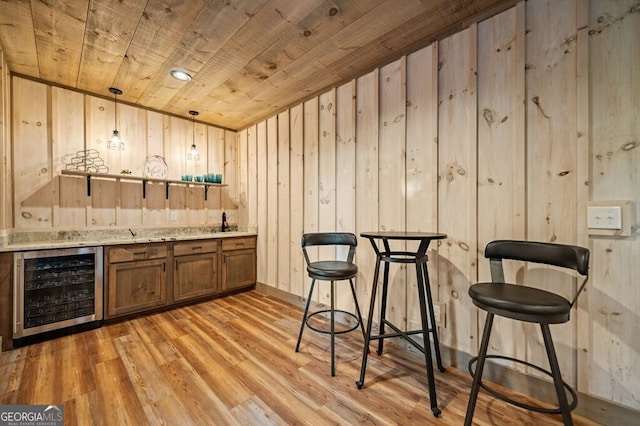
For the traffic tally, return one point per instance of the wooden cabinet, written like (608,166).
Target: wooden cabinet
(6,300)
(136,279)
(195,271)
(238,262)
(143,277)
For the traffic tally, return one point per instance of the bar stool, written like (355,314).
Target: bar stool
(331,270)
(529,304)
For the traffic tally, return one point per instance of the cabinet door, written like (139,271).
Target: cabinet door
(136,286)
(238,269)
(195,276)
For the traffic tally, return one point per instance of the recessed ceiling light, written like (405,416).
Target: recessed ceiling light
(180,75)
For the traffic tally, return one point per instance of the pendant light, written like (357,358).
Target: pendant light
(193,155)
(115,143)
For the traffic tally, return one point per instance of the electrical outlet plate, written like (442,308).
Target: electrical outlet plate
(439,313)
(174,215)
(612,218)
(605,217)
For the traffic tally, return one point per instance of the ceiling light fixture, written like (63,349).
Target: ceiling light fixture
(180,75)
(115,143)
(193,155)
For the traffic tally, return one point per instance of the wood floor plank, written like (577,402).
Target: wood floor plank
(219,377)
(255,412)
(115,400)
(231,361)
(148,378)
(217,345)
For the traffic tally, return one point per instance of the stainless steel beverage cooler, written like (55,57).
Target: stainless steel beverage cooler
(56,290)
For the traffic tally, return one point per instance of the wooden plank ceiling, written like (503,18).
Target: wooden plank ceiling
(249,58)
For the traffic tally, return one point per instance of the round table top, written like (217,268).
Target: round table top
(404,235)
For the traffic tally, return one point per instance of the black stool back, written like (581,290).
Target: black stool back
(530,304)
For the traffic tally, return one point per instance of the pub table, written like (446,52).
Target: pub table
(385,255)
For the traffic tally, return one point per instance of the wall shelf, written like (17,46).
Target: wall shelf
(144,180)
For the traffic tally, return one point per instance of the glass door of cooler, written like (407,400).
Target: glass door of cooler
(57,289)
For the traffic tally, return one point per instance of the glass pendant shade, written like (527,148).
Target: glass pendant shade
(193,155)
(115,143)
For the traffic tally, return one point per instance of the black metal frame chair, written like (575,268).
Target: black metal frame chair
(529,304)
(331,270)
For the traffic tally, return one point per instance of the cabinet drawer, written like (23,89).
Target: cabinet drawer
(238,243)
(139,252)
(195,247)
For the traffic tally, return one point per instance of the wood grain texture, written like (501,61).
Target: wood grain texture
(261,201)
(252,178)
(311,178)
(54,128)
(501,152)
(6,299)
(243,176)
(345,173)
(391,177)
(422,165)
(457,197)
(296,204)
(6,210)
(367,160)
(248,59)
(614,28)
(284,201)
(232,361)
(326,179)
(551,155)
(271,211)
(33,176)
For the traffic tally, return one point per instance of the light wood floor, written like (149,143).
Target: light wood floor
(232,361)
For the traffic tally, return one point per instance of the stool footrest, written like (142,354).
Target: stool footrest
(520,404)
(325,331)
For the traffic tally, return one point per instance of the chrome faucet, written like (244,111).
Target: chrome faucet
(224,222)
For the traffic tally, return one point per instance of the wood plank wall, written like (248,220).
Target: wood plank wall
(51,124)
(613,366)
(5,136)
(506,129)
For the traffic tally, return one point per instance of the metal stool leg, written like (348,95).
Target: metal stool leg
(306,313)
(557,377)
(333,329)
(432,317)
(477,377)
(355,299)
(431,383)
(383,306)
(367,336)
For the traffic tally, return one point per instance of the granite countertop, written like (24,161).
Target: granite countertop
(66,238)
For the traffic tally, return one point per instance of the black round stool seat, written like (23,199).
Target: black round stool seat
(521,302)
(332,270)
